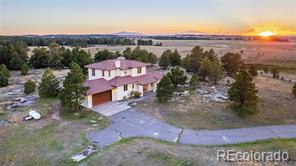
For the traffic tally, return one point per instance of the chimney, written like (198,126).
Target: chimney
(117,63)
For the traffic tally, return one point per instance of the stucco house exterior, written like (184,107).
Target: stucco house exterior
(117,79)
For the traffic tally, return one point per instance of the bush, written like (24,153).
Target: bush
(29,87)
(136,94)
(24,69)
(294,90)
(3,79)
(4,70)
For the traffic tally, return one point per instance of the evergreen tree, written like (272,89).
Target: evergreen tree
(194,58)
(243,90)
(72,95)
(49,86)
(29,87)
(203,70)
(127,53)
(4,70)
(3,80)
(24,69)
(165,90)
(194,82)
(275,73)
(253,70)
(215,70)
(164,61)
(266,69)
(177,76)
(175,58)
(152,58)
(294,90)
(232,63)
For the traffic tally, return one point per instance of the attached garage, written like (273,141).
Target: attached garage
(102,97)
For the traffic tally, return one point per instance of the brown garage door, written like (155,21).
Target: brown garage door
(100,98)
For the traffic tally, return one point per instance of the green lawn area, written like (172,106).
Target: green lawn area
(48,141)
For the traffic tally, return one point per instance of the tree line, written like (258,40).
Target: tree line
(67,41)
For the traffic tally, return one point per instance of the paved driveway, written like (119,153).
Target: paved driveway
(132,123)
(111,108)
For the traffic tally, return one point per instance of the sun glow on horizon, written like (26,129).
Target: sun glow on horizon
(266,34)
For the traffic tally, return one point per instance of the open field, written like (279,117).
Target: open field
(276,106)
(267,49)
(48,141)
(144,152)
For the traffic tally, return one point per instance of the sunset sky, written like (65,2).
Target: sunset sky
(147,16)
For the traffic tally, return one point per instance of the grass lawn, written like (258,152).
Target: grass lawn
(46,141)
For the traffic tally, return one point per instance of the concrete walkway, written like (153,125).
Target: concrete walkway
(111,108)
(132,123)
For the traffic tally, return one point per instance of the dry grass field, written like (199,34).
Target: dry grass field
(276,106)
(267,49)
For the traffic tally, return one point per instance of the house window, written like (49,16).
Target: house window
(125,72)
(109,73)
(93,72)
(103,73)
(139,70)
(125,88)
(133,86)
(152,84)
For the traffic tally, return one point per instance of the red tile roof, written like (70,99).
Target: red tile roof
(119,81)
(101,85)
(97,86)
(110,64)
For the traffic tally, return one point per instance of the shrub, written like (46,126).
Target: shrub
(3,79)
(294,90)
(29,87)
(4,70)
(24,69)
(137,94)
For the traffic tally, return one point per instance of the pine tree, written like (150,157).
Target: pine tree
(164,61)
(203,70)
(275,73)
(72,95)
(294,90)
(165,89)
(49,86)
(243,90)
(177,76)
(194,82)
(24,69)
(215,70)
(175,58)
(253,70)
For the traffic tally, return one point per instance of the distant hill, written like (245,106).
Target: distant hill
(123,33)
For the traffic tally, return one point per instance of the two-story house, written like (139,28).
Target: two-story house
(117,79)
